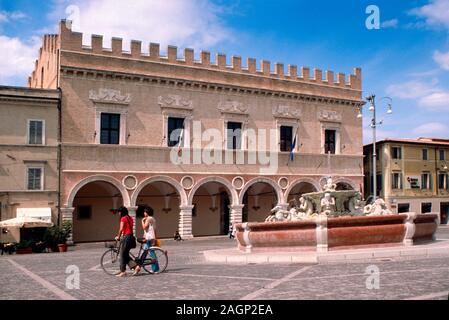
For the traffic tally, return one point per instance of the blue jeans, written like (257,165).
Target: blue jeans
(146,249)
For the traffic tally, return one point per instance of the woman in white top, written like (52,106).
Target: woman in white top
(149,231)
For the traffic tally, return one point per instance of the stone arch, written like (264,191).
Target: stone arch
(175,184)
(292,185)
(276,187)
(116,183)
(345,181)
(223,181)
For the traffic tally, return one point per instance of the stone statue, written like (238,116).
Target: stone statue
(355,205)
(305,206)
(327,204)
(330,185)
(378,208)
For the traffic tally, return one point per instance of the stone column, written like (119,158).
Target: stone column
(132,213)
(67,215)
(321,234)
(283,206)
(185,222)
(236,214)
(409,228)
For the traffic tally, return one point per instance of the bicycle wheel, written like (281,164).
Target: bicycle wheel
(110,262)
(156,261)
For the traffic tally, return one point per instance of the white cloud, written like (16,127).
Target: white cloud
(11,16)
(410,90)
(17,59)
(442,59)
(428,95)
(182,23)
(393,23)
(436,13)
(432,129)
(436,100)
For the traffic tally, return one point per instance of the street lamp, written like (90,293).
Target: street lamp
(372,100)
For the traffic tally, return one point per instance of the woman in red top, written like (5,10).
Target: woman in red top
(125,235)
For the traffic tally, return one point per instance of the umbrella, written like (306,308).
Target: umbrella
(25,222)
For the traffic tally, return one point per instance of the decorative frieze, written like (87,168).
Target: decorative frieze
(175,102)
(329,115)
(286,112)
(233,107)
(109,96)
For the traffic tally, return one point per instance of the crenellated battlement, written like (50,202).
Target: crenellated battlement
(72,42)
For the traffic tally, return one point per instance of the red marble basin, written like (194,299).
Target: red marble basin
(337,232)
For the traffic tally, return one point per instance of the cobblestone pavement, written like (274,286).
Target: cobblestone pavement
(188,276)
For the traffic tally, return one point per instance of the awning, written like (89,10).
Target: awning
(38,213)
(25,222)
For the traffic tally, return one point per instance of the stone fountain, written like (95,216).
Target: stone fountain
(334,218)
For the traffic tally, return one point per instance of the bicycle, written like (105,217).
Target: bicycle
(156,260)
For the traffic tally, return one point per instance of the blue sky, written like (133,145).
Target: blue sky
(406,59)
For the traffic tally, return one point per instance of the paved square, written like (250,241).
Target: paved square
(189,276)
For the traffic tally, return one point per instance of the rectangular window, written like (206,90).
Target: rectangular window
(286,138)
(329,141)
(84,212)
(110,128)
(34,178)
(443,181)
(234,135)
(426,207)
(403,207)
(442,155)
(396,153)
(35,132)
(377,154)
(396,180)
(175,127)
(425,181)
(425,154)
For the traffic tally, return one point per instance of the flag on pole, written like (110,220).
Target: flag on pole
(293,146)
(180,143)
(292,151)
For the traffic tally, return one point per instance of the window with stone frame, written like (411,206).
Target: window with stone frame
(110,128)
(396,180)
(396,153)
(36,132)
(426,207)
(35,178)
(286,143)
(442,155)
(234,135)
(426,182)
(175,127)
(329,141)
(425,154)
(443,180)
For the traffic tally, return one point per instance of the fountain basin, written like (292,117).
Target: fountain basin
(323,233)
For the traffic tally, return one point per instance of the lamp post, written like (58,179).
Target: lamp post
(372,100)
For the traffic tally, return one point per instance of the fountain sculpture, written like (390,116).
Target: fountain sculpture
(333,218)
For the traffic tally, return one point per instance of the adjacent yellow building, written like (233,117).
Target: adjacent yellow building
(412,175)
(29,173)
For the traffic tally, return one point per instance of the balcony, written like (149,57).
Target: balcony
(110,158)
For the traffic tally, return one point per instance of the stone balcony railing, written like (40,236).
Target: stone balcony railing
(77,157)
